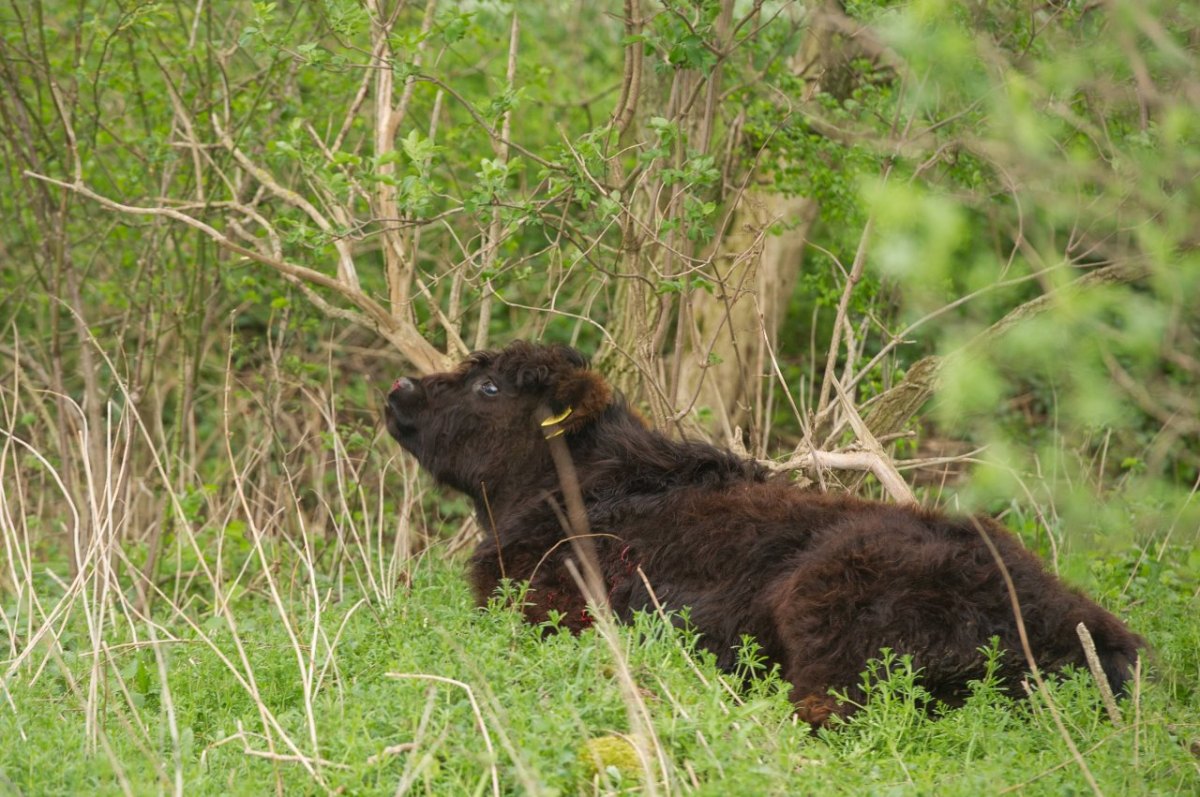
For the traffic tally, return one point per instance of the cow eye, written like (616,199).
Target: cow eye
(487,387)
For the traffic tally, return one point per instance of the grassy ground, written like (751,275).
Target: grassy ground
(427,695)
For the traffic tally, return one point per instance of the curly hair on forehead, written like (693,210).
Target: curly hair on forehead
(527,364)
(560,369)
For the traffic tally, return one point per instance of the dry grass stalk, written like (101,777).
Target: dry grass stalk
(1093,660)
(483,729)
(1032,662)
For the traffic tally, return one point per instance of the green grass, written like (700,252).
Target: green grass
(539,700)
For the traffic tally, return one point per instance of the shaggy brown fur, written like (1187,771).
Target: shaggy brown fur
(821,581)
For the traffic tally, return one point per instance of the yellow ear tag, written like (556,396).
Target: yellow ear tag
(558,418)
(555,433)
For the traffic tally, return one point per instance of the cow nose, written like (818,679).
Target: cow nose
(403,384)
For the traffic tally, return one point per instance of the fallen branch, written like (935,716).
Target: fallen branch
(875,464)
(883,467)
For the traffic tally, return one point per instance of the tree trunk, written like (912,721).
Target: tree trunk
(726,367)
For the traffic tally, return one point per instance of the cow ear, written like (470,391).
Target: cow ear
(579,398)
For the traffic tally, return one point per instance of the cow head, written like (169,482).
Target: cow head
(483,426)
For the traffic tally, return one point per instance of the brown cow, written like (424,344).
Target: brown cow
(821,581)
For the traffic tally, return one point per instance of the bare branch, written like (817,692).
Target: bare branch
(491,244)
(631,83)
(398,265)
(852,280)
(346,269)
(404,336)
